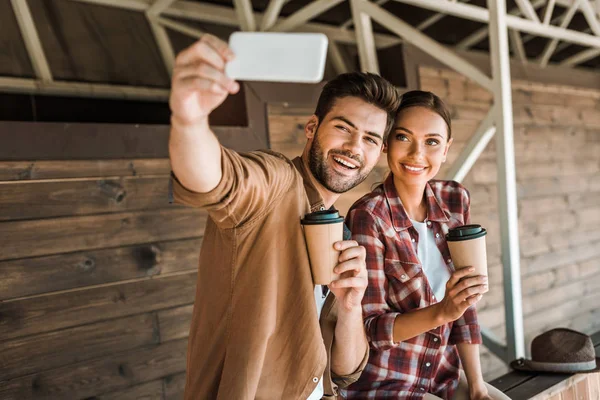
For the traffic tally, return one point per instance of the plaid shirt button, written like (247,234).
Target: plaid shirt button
(428,364)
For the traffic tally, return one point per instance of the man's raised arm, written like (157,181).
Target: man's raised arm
(199,86)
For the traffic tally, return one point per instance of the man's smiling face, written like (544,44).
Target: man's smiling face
(346,145)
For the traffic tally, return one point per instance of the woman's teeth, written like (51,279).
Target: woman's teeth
(414,169)
(344,163)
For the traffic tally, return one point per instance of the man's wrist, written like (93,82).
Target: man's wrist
(183,125)
(349,313)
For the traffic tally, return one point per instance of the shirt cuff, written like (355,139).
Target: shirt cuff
(346,380)
(465,334)
(380,331)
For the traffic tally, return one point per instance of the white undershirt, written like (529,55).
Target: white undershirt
(317,394)
(431,260)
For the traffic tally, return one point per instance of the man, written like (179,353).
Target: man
(256,331)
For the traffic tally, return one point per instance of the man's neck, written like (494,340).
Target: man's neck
(329,197)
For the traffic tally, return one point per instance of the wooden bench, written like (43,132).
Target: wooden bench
(520,385)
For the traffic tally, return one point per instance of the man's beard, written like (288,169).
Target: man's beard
(326,176)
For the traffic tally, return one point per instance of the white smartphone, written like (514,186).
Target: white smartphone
(277,57)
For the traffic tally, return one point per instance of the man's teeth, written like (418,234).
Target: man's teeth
(408,167)
(344,163)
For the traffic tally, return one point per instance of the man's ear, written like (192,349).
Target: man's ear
(310,129)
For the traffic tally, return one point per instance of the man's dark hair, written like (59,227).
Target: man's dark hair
(428,100)
(368,87)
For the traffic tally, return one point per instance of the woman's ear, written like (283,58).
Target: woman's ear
(310,129)
(447,147)
(385,147)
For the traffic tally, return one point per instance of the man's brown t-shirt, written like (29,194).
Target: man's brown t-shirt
(255,331)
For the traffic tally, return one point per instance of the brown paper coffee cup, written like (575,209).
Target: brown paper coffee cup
(467,248)
(321,230)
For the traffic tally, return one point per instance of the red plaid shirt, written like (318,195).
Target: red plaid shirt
(429,362)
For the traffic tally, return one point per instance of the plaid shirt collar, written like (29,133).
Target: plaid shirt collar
(400,220)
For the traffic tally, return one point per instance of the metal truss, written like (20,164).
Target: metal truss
(523,24)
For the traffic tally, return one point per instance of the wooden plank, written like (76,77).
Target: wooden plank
(146,391)
(62,235)
(49,350)
(536,385)
(175,323)
(113,372)
(28,170)
(174,387)
(31,276)
(511,380)
(33,200)
(51,312)
(80,141)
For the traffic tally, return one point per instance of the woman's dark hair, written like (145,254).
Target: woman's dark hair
(368,87)
(428,100)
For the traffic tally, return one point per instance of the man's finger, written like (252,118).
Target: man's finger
(354,282)
(352,252)
(207,43)
(349,265)
(202,52)
(345,244)
(196,83)
(208,72)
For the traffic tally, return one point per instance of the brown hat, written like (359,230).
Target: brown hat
(560,350)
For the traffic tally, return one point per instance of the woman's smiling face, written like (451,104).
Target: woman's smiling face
(417,146)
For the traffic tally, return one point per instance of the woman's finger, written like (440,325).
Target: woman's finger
(458,275)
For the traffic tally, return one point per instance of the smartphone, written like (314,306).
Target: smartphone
(277,57)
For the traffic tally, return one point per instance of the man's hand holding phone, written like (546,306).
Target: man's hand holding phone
(199,83)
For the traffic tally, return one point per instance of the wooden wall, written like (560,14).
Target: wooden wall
(97,269)
(557,153)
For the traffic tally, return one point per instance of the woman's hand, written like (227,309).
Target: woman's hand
(479,391)
(462,293)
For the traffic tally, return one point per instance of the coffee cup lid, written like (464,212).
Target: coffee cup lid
(465,232)
(322,217)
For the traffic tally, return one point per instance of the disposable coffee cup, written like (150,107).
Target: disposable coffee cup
(321,230)
(467,248)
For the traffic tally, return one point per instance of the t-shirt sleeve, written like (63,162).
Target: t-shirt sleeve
(250,184)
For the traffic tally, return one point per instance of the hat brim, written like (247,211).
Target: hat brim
(560,368)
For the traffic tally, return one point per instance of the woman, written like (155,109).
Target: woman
(418,313)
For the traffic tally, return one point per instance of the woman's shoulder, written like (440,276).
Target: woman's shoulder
(446,187)
(370,202)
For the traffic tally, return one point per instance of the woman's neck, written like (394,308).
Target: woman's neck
(413,200)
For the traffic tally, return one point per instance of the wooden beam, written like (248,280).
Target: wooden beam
(245,15)
(367,52)
(433,48)
(305,14)
(32,40)
(527,10)
(271,14)
(551,46)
